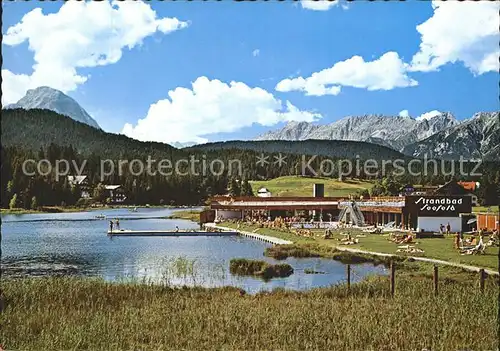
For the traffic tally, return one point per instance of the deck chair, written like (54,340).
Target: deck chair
(478,249)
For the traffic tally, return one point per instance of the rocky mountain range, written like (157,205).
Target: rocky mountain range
(54,100)
(393,131)
(474,138)
(442,135)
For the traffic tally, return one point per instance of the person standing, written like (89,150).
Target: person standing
(457,241)
(448,228)
(117,224)
(111,226)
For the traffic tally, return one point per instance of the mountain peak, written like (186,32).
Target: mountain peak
(392,131)
(48,98)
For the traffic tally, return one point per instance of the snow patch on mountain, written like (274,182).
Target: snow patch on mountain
(392,131)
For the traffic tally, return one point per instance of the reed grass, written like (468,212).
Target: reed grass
(263,269)
(86,314)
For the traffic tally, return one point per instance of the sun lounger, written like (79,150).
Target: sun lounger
(478,249)
(352,242)
(410,250)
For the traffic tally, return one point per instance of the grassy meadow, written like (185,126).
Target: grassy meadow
(484,209)
(86,314)
(303,186)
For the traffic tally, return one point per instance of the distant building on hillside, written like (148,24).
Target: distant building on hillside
(115,193)
(81,181)
(455,188)
(471,186)
(410,189)
(263,192)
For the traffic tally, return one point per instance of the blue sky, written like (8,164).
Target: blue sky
(258,45)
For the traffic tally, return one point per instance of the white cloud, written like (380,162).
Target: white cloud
(428,115)
(385,73)
(256,53)
(212,106)
(319,5)
(80,34)
(465,31)
(404,113)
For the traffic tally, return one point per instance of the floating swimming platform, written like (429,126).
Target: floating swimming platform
(173,233)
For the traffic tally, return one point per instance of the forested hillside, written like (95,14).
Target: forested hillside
(338,149)
(194,174)
(32,129)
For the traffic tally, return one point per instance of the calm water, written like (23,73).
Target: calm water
(77,244)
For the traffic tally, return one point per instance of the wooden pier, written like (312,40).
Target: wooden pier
(215,231)
(172,233)
(266,238)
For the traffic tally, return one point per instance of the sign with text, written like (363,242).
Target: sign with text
(438,206)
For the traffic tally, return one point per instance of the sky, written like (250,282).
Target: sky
(207,71)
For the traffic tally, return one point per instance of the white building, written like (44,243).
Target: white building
(115,193)
(83,182)
(263,192)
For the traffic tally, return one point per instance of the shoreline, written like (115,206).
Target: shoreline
(187,214)
(59,209)
(361,251)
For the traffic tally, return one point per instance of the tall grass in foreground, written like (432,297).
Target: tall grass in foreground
(70,313)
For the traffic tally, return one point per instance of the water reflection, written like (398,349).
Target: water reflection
(77,244)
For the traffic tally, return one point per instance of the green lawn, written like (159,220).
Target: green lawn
(485,209)
(438,248)
(303,186)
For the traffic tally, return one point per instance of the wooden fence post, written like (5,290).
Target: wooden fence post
(349,276)
(482,277)
(393,278)
(435,280)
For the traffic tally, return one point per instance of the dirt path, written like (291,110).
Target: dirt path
(422,259)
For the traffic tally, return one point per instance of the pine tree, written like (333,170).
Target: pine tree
(10,187)
(13,202)
(246,189)
(234,189)
(100,193)
(34,203)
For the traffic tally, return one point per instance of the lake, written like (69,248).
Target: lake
(77,244)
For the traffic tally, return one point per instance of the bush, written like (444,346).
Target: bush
(281,252)
(83,202)
(242,266)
